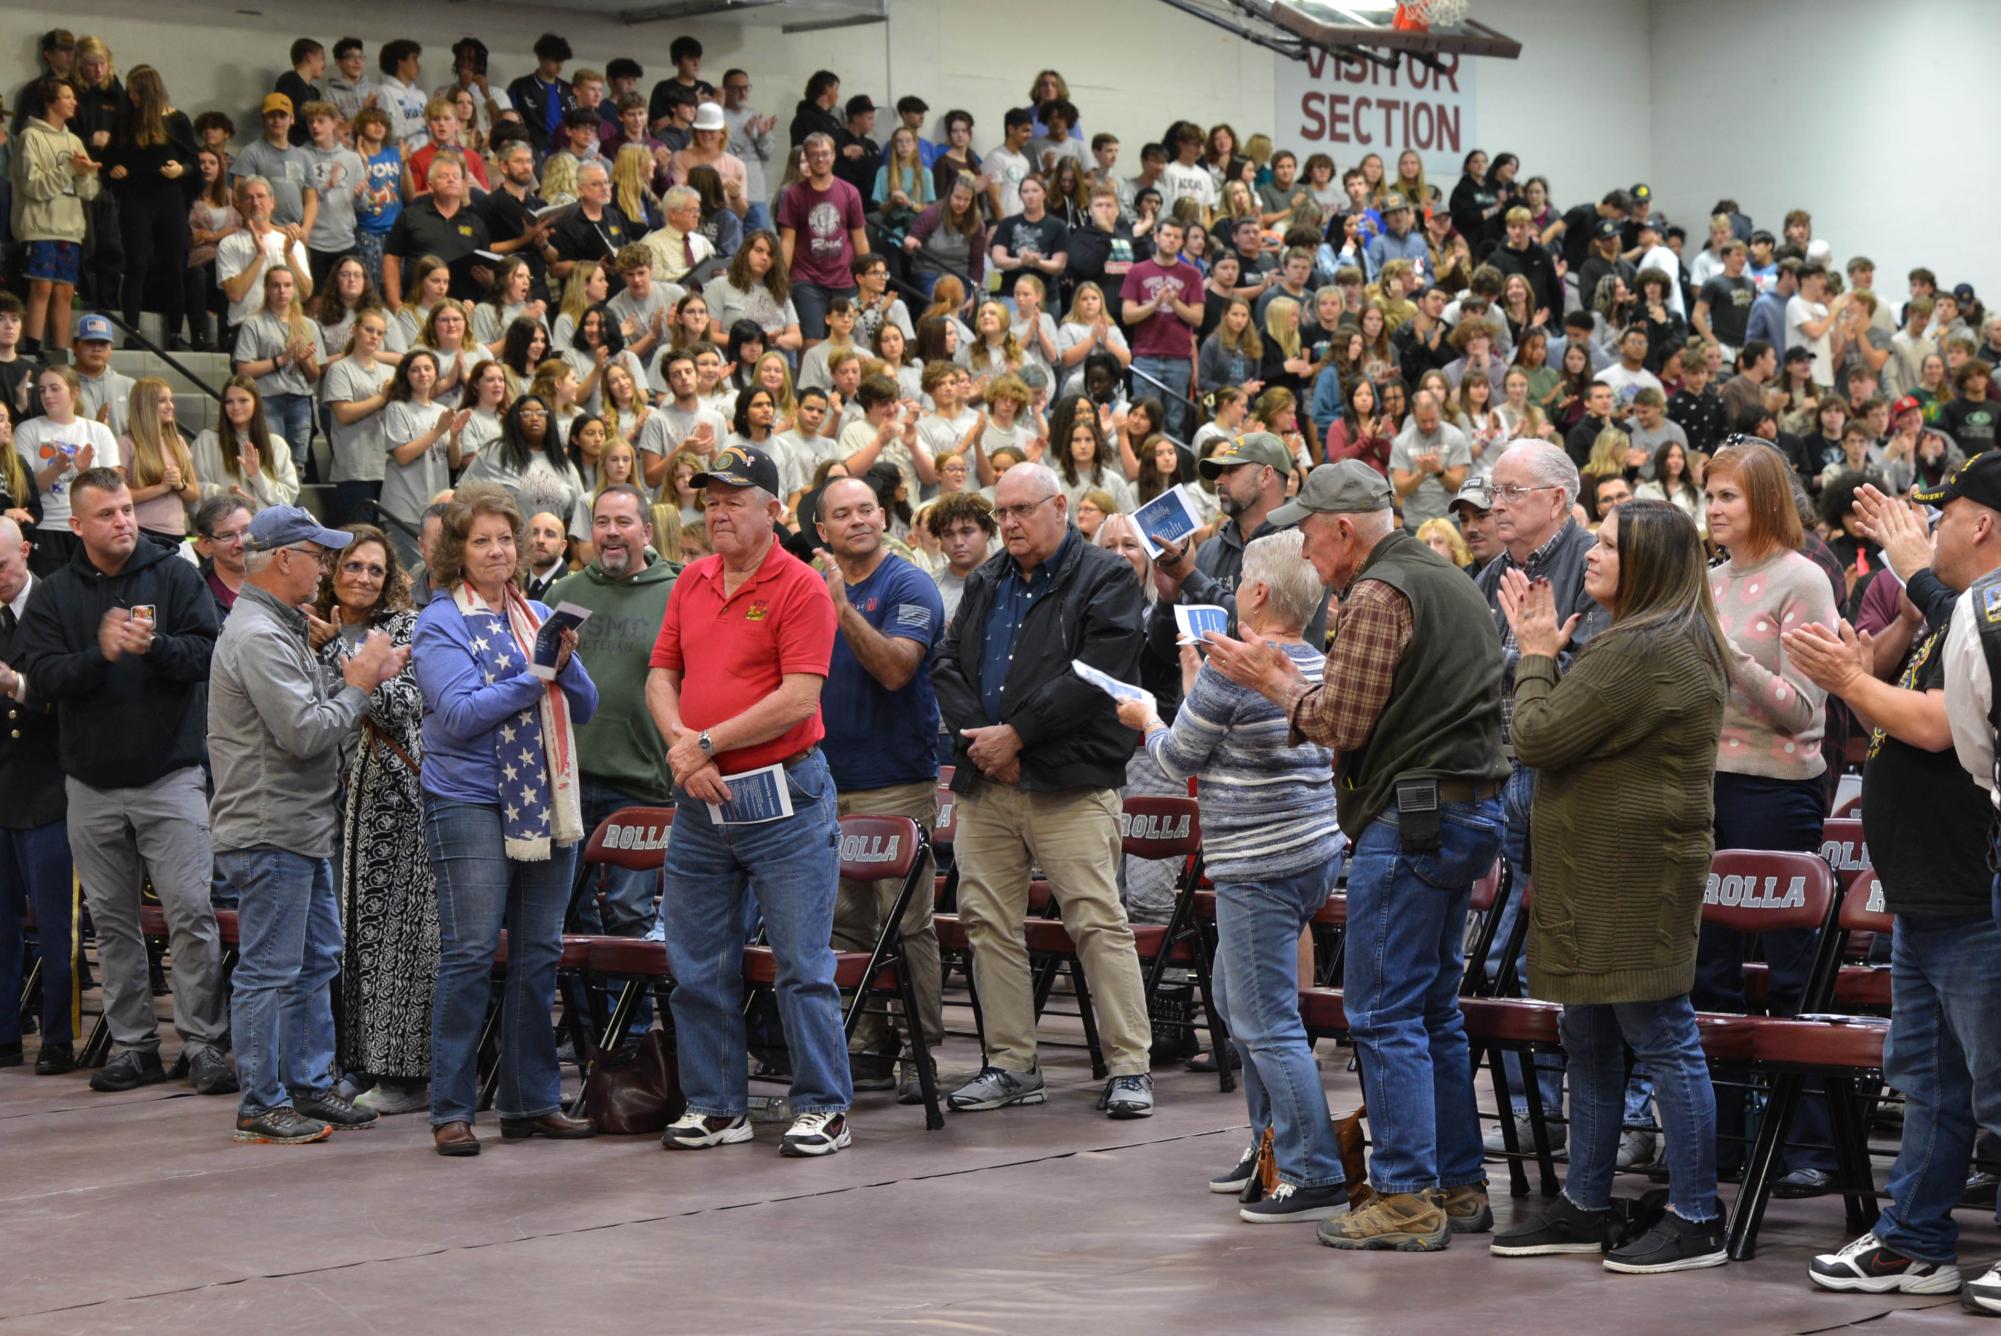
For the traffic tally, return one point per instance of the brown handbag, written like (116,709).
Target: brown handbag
(1354,1162)
(636,1089)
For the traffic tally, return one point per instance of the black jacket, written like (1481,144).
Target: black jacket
(128,723)
(1071,734)
(858,172)
(531,99)
(31,773)
(810,118)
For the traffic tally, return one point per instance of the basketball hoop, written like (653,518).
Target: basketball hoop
(1421,15)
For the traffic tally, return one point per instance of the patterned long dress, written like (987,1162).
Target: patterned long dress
(389,894)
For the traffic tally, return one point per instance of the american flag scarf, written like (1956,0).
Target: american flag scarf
(534,748)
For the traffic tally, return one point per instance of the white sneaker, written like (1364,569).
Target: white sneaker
(1870,1266)
(1524,1138)
(694,1131)
(1636,1148)
(1129,1097)
(817,1134)
(1983,1293)
(392,1097)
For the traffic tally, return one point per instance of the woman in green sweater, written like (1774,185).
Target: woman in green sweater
(1624,749)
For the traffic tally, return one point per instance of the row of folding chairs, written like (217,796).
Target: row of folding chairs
(1749,892)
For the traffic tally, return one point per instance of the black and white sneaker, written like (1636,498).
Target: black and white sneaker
(694,1131)
(281,1126)
(1870,1266)
(340,1114)
(1565,1227)
(996,1088)
(1288,1204)
(1674,1244)
(1239,1173)
(1982,1294)
(1128,1097)
(820,1133)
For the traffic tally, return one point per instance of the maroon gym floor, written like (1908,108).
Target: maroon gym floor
(135,1212)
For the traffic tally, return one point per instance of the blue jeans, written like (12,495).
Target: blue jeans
(1779,814)
(757,218)
(480,890)
(1257,992)
(291,416)
(1944,1054)
(1663,1034)
(35,870)
(281,1004)
(811,301)
(1405,956)
(794,867)
(1175,373)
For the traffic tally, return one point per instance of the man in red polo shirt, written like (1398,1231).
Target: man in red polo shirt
(735,692)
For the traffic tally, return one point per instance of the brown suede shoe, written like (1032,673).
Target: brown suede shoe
(1467,1210)
(560,1126)
(454,1139)
(1398,1222)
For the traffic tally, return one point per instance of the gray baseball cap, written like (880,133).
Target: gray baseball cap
(1477,491)
(1345,487)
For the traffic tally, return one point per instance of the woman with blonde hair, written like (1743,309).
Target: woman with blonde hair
(448,333)
(774,373)
(632,185)
(1088,328)
(1286,363)
(559,180)
(618,464)
(285,351)
(1443,537)
(624,403)
(555,384)
(1411,183)
(588,285)
(668,538)
(994,350)
(1610,458)
(235,457)
(158,464)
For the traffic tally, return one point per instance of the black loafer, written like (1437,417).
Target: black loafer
(55,1060)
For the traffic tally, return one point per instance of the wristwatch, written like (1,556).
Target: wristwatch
(706,743)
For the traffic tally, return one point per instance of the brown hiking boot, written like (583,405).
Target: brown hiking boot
(1399,1222)
(1467,1211)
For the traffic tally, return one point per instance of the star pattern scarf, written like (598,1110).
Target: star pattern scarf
(534,749)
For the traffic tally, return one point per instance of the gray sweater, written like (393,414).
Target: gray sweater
(276,718)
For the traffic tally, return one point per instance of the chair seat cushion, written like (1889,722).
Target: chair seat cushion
(1845,1045)
(1323,1011)
(628,955)
(1511,1020)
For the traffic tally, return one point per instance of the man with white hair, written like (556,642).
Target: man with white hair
(1410,705)
(277,717)
(595,230)
(677,244)
(1041,757)
(1534,486)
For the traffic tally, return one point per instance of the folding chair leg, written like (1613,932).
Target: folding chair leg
(1762,1167)
(1088,1014)
(1538,1123)
(96,1049)
(1851,1148)
(1504,1100)
(1219,1035)
(979,1018)
(920,1049)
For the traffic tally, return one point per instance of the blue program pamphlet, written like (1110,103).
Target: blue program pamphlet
(1196,620)
(1169,517)
(756,796)
(549,639)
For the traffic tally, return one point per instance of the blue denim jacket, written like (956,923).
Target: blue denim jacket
(461,712)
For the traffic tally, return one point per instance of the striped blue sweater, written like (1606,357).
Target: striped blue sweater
(1267,808)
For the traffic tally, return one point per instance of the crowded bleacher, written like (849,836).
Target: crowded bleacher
(525,598)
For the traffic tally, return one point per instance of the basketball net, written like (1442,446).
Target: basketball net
(1420,15)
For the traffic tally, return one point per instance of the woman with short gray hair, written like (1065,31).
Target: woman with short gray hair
(1274,848)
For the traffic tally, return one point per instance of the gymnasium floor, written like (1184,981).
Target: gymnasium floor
(135,1212)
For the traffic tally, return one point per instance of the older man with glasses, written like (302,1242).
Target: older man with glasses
(1532,488)
(1041,757)
(276,720)
(221,525)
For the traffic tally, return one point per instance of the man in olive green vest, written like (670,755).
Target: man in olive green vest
(1411,706)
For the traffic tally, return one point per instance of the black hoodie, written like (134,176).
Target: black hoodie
(123,724)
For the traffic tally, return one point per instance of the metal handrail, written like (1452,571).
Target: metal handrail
(133,336)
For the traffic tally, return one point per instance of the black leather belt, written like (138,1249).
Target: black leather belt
(796,757)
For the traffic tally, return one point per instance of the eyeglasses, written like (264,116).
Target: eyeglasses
(1006,513)
(1516,492)
(364,568)
(229,537)
(318,554)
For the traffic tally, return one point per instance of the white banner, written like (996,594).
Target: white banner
(1347,107)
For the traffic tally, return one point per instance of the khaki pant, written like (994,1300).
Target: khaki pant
(863,905)
(1074,837)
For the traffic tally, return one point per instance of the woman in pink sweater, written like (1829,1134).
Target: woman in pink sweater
(1769,793)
